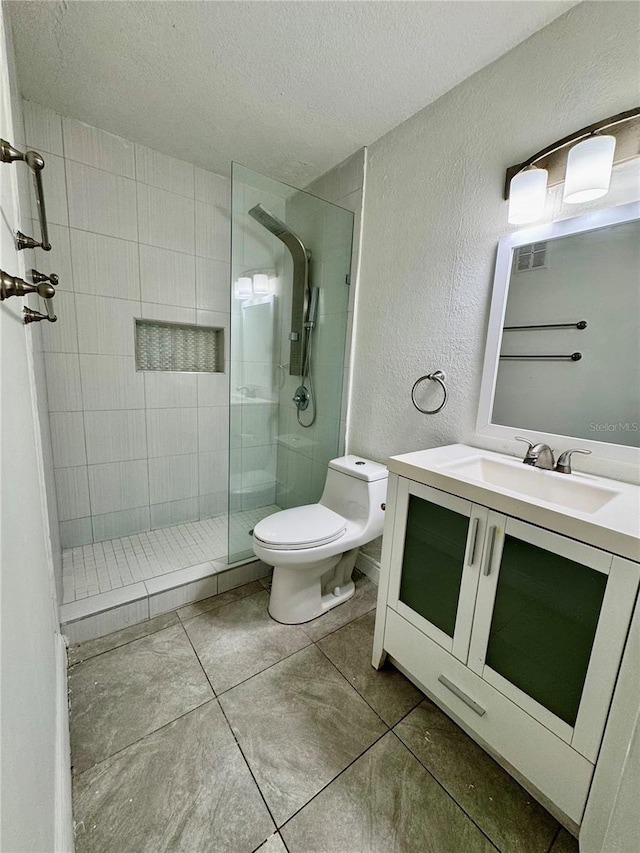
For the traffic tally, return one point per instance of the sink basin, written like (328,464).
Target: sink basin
(566,490)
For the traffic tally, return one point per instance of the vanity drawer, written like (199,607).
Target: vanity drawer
(549,763)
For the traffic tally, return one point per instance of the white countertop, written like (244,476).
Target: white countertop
(615,527)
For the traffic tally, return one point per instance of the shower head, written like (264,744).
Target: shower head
(268,220)
(300,288)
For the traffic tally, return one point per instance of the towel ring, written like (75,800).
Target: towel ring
(436,376)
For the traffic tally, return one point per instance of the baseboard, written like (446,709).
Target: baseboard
(368,566)
(64,840)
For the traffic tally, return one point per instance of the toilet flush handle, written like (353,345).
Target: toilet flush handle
(383,507)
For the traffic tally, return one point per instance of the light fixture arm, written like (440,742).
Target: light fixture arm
(606,123)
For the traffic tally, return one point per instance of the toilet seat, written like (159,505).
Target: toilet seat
(300,527)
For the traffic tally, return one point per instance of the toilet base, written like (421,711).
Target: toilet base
(302,593)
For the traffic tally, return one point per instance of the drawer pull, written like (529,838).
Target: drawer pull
(478,709)
(474,540)
(492,542)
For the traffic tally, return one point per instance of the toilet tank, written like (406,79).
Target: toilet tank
(355,488)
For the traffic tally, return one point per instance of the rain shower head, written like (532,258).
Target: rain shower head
(268,220)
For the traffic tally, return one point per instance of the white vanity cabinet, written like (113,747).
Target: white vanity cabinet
(516,631)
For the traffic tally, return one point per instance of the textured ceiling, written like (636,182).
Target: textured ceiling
(287,88)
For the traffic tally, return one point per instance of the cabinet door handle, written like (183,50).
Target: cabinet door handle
(492,542)
(478,709)
(474,540)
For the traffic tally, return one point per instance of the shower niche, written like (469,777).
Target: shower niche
(290,266)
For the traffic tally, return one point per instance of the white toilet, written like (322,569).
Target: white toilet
(313,548)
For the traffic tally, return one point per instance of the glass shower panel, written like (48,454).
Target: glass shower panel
(278,455)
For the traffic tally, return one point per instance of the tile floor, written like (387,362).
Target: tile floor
(102,566)
(214,728)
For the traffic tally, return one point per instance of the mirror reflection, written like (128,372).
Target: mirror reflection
(570,351)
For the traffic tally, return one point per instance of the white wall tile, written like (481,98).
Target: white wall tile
(233,578)
(67,439)
(165,219)
(173,478)
(106,325)
(101,202)
(170,390)
(213,189)
(55,192)
(213,232)
(111,382)
(58,260)
(115,436)
(174,512)
(63,382)
(43,128)
(111,620)
(214,505)
(213,389)
(172,432)
(72,493)
(113,525)
(214,471)
(105,266)
(213,428)
(169,600)
(62,336)
(167,277)
(168,313)
(118,485)
(164,172)
(95,147)
(213,290)
(76,532)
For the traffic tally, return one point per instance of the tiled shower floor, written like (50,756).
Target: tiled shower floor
(103,566)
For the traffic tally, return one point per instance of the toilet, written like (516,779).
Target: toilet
(313,548)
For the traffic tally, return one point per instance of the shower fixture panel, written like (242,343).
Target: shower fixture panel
(299,334)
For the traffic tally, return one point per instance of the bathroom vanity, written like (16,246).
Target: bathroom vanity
(506,594)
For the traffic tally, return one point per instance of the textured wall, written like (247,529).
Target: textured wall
(135,234)
(434,212)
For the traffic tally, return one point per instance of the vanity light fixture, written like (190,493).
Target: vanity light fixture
(527,195)
(589,166)
(585,166)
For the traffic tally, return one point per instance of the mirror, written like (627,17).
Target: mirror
(563,347)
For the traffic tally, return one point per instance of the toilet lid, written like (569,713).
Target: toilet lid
(300,527)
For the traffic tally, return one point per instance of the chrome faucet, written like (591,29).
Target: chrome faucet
(541,456)
(538,455)
(563,465)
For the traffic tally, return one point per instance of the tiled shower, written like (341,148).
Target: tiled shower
(136,234)
(140,458)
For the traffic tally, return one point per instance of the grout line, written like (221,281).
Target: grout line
(447,792)
(337,776)
(148,734)
(127,642)
(233,734)
(555,838)
(360,695)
